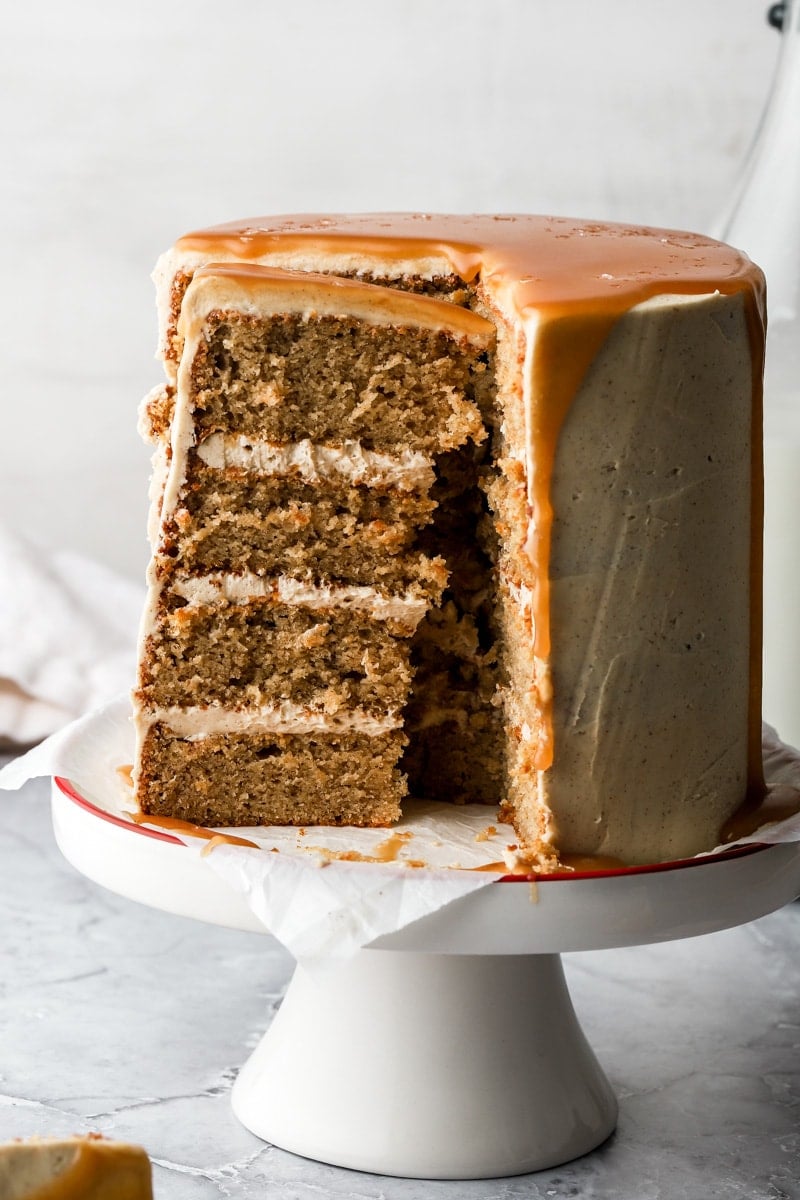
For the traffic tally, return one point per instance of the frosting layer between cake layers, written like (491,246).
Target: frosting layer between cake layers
(593,662)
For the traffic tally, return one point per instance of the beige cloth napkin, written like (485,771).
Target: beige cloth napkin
(67,637)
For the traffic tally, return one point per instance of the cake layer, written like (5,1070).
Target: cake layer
(235,520)
(454,717)
(391,574)
(172,284)
(253,652)
(288,378)
(272,779)
(458,757)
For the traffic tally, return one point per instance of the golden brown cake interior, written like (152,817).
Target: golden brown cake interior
(302,537)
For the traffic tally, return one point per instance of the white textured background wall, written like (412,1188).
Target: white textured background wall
(125,125)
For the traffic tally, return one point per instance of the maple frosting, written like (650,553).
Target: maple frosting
(239,589)
(313,463)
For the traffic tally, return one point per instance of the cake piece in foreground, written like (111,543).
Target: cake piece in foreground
(89,1168)
(466,506)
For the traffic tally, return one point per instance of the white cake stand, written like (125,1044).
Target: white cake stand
(450,1049)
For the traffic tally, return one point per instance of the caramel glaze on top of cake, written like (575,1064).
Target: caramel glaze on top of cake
(571,280)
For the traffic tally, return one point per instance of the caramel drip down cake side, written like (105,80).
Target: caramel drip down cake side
(294,480)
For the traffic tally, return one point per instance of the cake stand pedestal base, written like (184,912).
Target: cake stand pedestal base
(433,1066)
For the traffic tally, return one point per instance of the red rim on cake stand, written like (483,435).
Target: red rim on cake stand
(449,1049)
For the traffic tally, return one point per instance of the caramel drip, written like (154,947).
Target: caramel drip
(87,1170)
(567,344)
(568,282)
(200,831)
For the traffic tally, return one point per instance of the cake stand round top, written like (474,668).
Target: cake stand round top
(511,915)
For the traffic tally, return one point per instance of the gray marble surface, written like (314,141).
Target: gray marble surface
(117,1018)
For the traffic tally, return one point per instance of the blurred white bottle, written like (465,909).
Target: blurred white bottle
(765,222)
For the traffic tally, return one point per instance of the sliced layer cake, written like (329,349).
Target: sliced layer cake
(289,575)
(462,506)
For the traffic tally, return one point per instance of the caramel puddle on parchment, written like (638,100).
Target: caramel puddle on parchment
(385,852)
(211,835)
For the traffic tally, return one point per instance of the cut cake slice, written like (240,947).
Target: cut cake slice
(288,578)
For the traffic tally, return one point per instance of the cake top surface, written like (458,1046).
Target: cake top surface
(541,262)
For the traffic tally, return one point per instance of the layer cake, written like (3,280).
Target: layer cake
(465,507)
